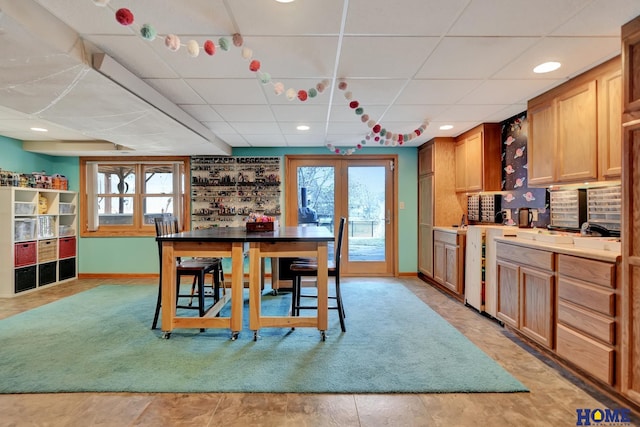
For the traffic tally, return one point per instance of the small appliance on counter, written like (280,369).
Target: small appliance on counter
(525,218)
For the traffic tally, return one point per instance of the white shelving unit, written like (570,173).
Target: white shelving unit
(38,230)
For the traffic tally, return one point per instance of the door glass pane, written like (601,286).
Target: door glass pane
(316,204)
(366,213)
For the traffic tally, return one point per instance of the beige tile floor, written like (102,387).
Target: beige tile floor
(555,393)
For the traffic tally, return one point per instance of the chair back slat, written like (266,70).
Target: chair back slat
(338,255)
(167,224)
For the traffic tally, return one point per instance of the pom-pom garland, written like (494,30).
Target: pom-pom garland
(379,134)
(172,41)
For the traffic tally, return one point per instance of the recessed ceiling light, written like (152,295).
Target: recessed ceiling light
(446,127)
(303,127)
(40,130)
(546,67)
(284,1)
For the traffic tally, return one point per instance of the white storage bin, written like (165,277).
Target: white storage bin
(24,229)
(67,208)
(22,208)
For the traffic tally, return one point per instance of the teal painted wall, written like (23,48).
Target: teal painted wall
(129,255)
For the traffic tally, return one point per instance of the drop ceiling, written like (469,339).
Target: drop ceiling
(100,87)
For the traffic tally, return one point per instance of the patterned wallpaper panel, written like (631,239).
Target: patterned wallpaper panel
(516,193)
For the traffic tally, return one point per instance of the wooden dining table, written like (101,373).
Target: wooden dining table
(233,242)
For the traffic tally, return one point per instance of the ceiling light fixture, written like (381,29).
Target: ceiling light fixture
(284,1)
(446,127)
(546,67)
(40,130)
(303,127)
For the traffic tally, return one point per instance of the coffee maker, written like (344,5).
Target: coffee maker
(525,217)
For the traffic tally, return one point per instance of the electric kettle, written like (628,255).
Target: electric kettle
(525,217)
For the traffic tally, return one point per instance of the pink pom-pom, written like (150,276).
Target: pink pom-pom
(376,139)
(342,85)
(209,47)
(364,118)
(237,40)
(359,146)
(337,151)
(124,16)
(254,65)
(172,42)
(302,95)
(278,88)
(320,87)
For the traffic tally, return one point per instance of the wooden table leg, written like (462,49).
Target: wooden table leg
(254,288)
(237,288)
(168,289)
(323,294)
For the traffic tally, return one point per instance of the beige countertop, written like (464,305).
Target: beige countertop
(457,230)
(563,248)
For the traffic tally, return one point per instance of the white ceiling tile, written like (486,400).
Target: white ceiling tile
(504,92)
(228,91)
(436,91)
(239,113)
(256,128)
(297,112)
(203,113)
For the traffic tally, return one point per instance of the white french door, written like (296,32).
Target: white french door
(321,189)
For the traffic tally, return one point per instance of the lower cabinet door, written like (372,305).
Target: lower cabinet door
(537,305)
(508,290)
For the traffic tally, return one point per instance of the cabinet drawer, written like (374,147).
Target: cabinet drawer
(527,256)
(593,324)
(589,296)
(25,254)
(442,236)
(586,353)
(47,250)
(597,272)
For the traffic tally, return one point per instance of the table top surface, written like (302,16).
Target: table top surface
(240,234)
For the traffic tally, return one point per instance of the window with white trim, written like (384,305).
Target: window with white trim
(123,196)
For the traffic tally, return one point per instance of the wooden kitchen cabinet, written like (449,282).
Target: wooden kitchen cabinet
(609,128)
(573,136)
(436,177)
(577,134)
(526,291)
(630,288)
(448,261)
(586,321)
(478,162)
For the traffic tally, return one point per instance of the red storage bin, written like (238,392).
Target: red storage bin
(67,247)
(26,253)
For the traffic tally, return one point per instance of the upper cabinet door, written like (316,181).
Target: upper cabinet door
(630,67)
(474,164)
(542,130)
(609,126)
(461,166)
(578,134)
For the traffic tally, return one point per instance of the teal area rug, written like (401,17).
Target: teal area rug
(100,341)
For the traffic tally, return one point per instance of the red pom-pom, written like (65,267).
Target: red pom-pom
(376,128)
(254,65)
(337,151)
(376,139)
(209,47)
(400,137)
(359,146)
(302,95)
(124,16)
(353,104)
(418,132)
